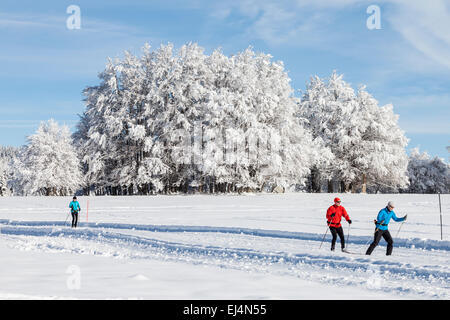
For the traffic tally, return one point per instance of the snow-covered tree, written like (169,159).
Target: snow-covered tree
(49,163)
(329,106)
(180,120)
(7,158)
(366,144)
(381,155)
(3,177)
(315,108)
(426,174)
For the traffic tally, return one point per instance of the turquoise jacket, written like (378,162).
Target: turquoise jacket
(384,216)
(75,206)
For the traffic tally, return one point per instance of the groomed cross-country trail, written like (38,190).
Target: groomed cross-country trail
(262,235)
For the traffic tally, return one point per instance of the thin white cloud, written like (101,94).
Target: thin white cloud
(425,25)
(58,23)
(425,125)
(430,101)
(330,3)
(29,21)
(275,22)
(424,113)
(15,124)
(78,52)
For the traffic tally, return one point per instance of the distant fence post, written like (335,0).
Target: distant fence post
(440,212)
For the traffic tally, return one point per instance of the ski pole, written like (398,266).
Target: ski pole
(399,229)
(348,235)
(323,237)
(66,219)
(376,229)
(87,210)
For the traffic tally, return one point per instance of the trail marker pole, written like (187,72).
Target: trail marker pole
(87,210)
(440,213)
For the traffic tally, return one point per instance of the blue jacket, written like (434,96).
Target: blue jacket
(384,216)
(75,206)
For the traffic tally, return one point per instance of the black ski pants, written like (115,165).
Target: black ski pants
(74,219)
(376,239)
(337,232)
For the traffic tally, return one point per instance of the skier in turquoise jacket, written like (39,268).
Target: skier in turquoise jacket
(74,209)
(384,217)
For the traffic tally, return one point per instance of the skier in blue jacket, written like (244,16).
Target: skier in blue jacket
(74,209)
(384,217)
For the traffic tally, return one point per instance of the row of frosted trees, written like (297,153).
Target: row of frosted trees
(181,121)
(21,174)
(178,121)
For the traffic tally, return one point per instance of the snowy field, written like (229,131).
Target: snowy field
(220,247)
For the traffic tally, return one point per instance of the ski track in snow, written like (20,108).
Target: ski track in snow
(417,243)
(280,252)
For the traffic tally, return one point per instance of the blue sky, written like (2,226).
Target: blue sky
(45,66)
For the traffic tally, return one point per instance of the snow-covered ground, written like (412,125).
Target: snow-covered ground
(220,247)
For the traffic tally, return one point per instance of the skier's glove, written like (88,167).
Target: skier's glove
(404,218)
(349,221)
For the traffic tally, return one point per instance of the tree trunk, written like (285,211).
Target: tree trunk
(364,184)
(315,180)
(330,186)
(343,187)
